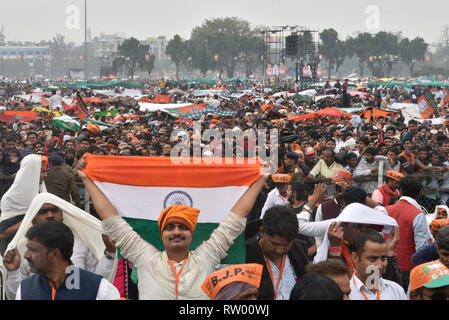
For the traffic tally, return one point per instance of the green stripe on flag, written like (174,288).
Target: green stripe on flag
(87,120)
(66,125)
(149,231)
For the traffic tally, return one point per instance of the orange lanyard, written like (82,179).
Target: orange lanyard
(363,294)
(281,270)
(53,290)
(347,255)
(177,275)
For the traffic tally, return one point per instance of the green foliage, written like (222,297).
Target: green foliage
(60,51)
(412,52)
(177,50)
(131,56)
(362,47)
(231,39)
(328,47)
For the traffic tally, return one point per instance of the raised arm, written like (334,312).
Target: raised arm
(246,202)
(103,206)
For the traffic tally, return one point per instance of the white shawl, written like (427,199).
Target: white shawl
(25,187)
(87,227)
(357,213)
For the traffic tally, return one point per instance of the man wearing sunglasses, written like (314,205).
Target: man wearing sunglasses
(429,281)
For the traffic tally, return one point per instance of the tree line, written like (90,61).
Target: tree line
(228,45)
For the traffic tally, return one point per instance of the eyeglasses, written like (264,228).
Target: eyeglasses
(437,296)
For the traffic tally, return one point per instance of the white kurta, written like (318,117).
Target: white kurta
(156,278)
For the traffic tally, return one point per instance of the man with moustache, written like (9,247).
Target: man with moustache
(16,263)
(49,248)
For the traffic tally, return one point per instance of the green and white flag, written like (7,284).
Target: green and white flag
(66,123)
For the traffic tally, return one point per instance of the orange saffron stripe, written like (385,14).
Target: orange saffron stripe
(161,172)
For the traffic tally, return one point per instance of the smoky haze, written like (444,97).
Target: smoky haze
(42,19)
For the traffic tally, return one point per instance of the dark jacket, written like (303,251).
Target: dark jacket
(297,255)
(37,287)
(62,184)
(425,254)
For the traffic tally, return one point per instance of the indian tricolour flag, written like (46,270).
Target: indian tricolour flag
(141,187)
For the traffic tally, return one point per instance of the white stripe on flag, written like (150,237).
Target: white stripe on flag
(147,202)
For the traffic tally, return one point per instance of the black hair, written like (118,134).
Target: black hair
(407,139)
(299,188)
(328,149)
(31,133)
(442,238)
(11,137)
(53,235)
(372,151)
(366,234)
(412,122)
(316,286)
(351,155)
(354,194)
(282,221)
(364,139)
(410,186)
(69,150)
(394,150)
(55,160)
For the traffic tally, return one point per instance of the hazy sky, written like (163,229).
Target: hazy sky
(36,20)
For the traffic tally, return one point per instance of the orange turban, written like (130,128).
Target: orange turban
(182,214)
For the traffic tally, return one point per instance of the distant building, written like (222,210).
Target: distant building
(157,47)
(107,44)
(28,52)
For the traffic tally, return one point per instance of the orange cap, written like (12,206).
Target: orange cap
(439,224)
(183,214)
(92,127)
(282,178)
(432,274)
(394,175)
(342,176)
(250,273)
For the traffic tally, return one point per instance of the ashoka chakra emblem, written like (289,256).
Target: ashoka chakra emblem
(178,198)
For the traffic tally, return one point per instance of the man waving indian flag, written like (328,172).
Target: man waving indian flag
(178,203)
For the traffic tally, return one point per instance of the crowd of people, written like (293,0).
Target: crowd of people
(356,207)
